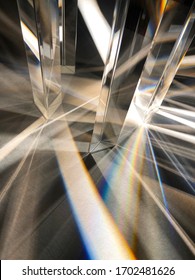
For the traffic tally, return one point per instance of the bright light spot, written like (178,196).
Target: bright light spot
(60,33)
(133,116)
(162,6)
(30,39)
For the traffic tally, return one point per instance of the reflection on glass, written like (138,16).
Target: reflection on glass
(119,18)
(136,39)
(95,42)
(40,28)
(170,44)
(68,29)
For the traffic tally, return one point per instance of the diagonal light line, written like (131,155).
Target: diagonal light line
(176,118)
(10,146)
(190,244)
(99,29)
(80,106)
(30,39)
(36,126)
(36,225)
(19,167)
(181,105)
(34,150)
(172,133)
(16,214)
(178,52)
(157,172)
(179,150)
(132,61)
(177,165)
(94,221)
(9,231)
(132,49)
(188,61)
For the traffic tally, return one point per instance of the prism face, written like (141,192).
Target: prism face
(119,18)
(40,27)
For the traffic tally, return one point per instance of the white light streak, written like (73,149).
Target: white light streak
(97,25)
(30,39)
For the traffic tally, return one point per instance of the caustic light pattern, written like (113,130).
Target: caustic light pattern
(97,129)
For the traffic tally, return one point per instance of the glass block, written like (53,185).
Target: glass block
(136,39)
(40,28)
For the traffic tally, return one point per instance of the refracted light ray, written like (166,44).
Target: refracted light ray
(101,32)
(157,171)
(85,194)
(39,124)
(134,154)
(132,61)
(10,146)
(161,206)
(188,61)
(30,40)
(181,112)
(176,163)
(17,211)
(175,134)
(123,203)
(129,219)
(6,187)
(176,118)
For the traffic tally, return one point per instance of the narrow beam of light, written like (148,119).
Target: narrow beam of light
(176,118)
(30,39)
(97,25)
(172,133)
(7,186)
(101,236)
(179,111)
(10,146)
(157,172)
(178,166)
(60,33)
